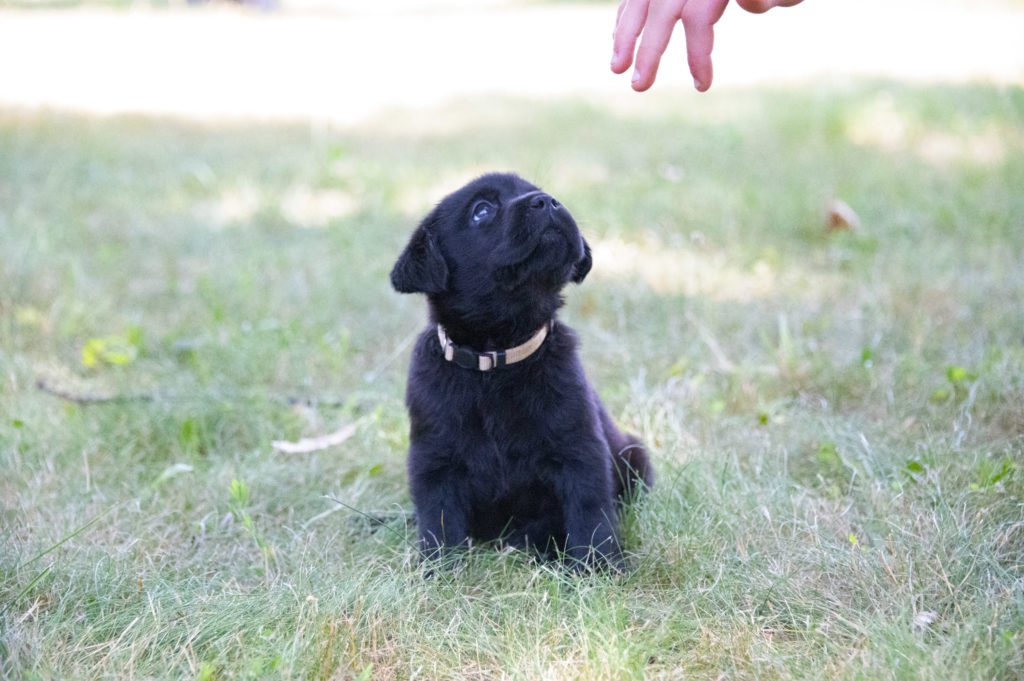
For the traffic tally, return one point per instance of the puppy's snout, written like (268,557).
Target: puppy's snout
(543,201)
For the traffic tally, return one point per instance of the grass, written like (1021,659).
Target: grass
(837,418)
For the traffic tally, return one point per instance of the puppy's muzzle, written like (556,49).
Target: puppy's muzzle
(539,201)
(539,208)
(538,212)
(535,220)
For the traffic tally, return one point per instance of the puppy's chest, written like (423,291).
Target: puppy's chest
(514,417)
(507,421)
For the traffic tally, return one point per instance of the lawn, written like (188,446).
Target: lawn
(837,417)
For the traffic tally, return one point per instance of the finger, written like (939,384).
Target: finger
(618,15)
(631,22)
(661,20)
(760,6)
(756,6)
(700,40)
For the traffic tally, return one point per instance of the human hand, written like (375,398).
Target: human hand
(656,19)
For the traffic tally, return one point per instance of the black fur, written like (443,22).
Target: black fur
(525,453)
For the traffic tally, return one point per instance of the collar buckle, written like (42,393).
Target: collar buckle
(465,358)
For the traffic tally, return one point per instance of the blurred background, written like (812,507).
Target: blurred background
(345,61)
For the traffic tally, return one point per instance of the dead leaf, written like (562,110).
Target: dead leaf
(924,619)
(315,444)
(841,216)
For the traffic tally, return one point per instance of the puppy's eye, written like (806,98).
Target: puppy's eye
(482,212)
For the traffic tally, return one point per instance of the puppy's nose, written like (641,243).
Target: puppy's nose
(544,202)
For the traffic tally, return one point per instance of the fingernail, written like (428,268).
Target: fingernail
(636,75)
(699,85)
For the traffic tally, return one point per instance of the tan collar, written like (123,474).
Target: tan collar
(485,361)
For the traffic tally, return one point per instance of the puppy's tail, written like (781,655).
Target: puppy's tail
(632,466)
(633,471)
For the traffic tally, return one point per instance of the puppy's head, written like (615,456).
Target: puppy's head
(494,254)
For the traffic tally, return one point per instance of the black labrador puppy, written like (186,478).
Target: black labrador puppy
(508,440)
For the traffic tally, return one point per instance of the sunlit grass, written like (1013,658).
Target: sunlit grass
(837,418)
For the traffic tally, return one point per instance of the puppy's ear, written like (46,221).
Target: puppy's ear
(421,267)
(580,269)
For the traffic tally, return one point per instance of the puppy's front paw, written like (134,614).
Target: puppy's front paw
(442,564)
(438,555)
(586,559)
